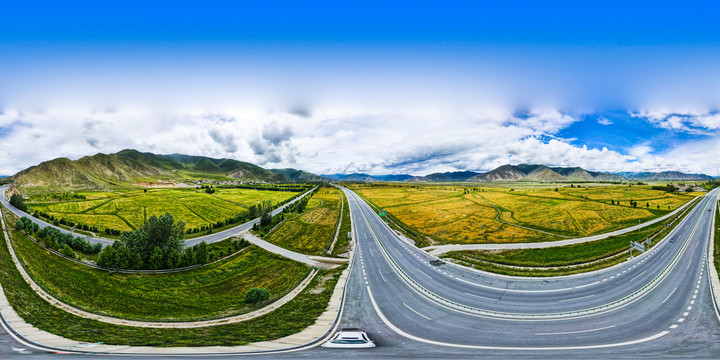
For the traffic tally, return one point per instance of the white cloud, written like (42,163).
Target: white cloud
(690,121)
(328,141)
(604,121)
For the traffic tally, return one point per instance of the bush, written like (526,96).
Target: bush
(17,201)
(67,251)
(256,295)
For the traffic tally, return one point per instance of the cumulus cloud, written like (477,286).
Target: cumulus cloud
(690,122)
(330,141)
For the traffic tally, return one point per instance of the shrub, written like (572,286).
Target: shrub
(256,295)
(67,251)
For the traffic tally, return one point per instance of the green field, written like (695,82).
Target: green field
(312,231)
(562,260)
(125,210)
(482,214)
(291,318)
(212,291)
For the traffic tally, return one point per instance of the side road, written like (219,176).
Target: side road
(438,250)
(211,238)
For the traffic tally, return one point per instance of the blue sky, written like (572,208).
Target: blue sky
(366,86)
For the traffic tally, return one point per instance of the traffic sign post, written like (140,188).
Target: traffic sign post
(382,213)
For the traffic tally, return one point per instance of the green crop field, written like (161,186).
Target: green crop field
(312,231)
(211,291)
(125,210)
(469,214)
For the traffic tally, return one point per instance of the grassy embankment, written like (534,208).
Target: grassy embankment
(467,214)
(563,260)
(125,210)
(289,319)
(343,242)
(312,231)
(211,291)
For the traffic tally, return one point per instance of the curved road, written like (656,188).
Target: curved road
(656,305)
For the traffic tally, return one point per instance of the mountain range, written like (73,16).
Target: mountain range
(526,172)
(100,171)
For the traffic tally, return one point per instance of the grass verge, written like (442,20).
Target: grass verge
(291,318)
(209,292)
(343,242)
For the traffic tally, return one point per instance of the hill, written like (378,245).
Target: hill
(445,176)
(299,175)
(128,167)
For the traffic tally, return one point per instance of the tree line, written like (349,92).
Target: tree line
(55,239)
(156,245)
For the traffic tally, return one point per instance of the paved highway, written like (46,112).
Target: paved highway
(657,305)
(211,238)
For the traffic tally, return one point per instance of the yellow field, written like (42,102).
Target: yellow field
(462,214)
(313,230)
(126,209)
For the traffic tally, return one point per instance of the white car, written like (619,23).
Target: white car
(350,339)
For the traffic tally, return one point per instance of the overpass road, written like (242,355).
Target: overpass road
(658,305)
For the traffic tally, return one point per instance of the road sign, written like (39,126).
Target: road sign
(350,234)
(638,246)
(382,213)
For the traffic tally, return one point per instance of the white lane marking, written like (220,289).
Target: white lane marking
(586,285)
(672,292)
(689,264)
(674,326)
(636,276)
(583,297)
(512,290)
(422,272)
(681,319)
(576,332)
(480,296)
(686,313)
(689,307)
(413,310)
(381,275)
(484,347)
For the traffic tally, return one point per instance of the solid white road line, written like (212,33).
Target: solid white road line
(580,298)
(576,332)
(483,347)
(381,275)
(586,285)
(413,310)
(480,296)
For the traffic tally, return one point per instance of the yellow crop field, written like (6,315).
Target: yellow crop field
(312,231)
(465,214)
(126,209)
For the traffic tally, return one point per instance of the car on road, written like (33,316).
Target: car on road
(350,338)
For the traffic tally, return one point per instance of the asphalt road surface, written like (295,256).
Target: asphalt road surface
(658,305)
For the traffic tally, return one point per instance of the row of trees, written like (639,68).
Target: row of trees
(56,239)
(17,201)
(157,244)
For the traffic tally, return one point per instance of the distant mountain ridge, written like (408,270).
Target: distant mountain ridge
(100,171)
(527,172)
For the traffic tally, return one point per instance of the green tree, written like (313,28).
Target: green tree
(68,251)
(107,257)
(162,232)
(256,295)
(174,259)
(17,201)
(201,253)
(156,259)
(124,259)
(19,225)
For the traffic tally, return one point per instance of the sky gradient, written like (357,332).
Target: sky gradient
(329,87)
